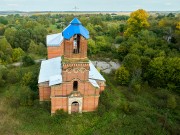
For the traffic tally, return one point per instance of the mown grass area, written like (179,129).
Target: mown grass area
(121,111)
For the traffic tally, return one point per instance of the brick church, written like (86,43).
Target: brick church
(68,78)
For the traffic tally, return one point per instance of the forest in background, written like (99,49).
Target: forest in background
(141,96)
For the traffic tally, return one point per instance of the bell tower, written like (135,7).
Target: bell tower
(75,63)
(75,41)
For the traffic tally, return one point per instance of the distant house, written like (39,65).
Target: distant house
(68,78)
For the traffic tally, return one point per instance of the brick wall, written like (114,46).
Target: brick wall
(58,103)
(90,103)
(55,51)
(44,91)
(68,48)
(71,73)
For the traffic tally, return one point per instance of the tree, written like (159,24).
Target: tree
(122,75)
(156,71)
(2,29)
(37,49)
(137,22)
(10,35)
(27,60)
(13,76)
(102,43)
(32,47)
(27,79)
(3,20)
(178,25)
(5,51)
(39,34)
(22,39)
(92,48)
(17,54)
(132,62)
(164,72)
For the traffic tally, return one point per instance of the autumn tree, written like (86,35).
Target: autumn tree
(137,22)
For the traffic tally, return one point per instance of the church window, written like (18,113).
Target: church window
(76,43)
(75,85)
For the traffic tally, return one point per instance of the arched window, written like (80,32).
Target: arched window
(76,44)
(75,85)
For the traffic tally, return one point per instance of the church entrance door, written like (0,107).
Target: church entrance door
(74,107)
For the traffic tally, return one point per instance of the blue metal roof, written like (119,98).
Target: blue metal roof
(75,27)
(75,21)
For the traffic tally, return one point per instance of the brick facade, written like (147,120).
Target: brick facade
(55,51)
(75,89)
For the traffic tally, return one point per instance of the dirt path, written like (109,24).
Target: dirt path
(17,64)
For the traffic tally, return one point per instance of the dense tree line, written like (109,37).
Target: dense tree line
(149,54)
(142,42)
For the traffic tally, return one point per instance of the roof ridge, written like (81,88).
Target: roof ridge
(75,21)
(58,34)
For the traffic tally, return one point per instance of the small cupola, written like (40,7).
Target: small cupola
(75,27)
(75,40)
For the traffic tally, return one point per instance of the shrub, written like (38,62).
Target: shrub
(171,102)
(30,79)
(132,62)
(27,78)
(13,76)
(122,75)
(119,39)
(136,88)
(17,54)
(125,107)
(60,115)
(101,109)
(27,61)
(3,75)
(19,96)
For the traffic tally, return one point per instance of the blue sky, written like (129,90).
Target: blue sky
(90,5)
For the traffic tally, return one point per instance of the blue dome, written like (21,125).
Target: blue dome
(75,27)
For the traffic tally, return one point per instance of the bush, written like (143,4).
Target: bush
(122,75)
(13,76)
(132,62)
(101,109)
(125,107)
(119,39)
(27,79)
(136,88)
(27,61)
(60,115)
(30,79)
(19,96)
(3,75)
(17,54)
(171,102)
